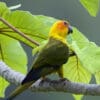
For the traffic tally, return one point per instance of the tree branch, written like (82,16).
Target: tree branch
(18,31)
(50,85)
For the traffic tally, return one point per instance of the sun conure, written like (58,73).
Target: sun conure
(50,59)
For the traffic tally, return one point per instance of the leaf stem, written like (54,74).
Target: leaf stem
(18,31)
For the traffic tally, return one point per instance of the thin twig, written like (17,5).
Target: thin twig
(18,31)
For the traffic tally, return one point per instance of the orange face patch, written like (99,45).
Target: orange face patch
(62,24)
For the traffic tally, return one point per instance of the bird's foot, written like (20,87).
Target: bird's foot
(45,79)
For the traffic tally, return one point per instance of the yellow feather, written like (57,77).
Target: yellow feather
(59,31)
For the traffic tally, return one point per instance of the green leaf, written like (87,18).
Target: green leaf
(20,20)
(91,6)
(78,97)
(97,77)
(11,52)
(86,51)
(79,38)
(74,71)
(3,85)
(89,57)
(14,56)
(3,9)
(34,26)
(28,24)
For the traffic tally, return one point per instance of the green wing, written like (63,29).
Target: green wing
(53,53)
(48,60)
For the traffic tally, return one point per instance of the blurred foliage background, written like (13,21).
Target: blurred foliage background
(70,10)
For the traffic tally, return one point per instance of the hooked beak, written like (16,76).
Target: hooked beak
(70,29)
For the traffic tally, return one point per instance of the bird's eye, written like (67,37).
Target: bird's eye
(65,23)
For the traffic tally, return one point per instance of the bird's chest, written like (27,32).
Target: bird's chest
(57,53)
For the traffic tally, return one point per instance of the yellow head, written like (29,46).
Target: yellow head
(60,30)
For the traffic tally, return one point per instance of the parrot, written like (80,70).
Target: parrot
(49,59)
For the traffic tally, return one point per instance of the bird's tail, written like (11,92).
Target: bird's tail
(19,90)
